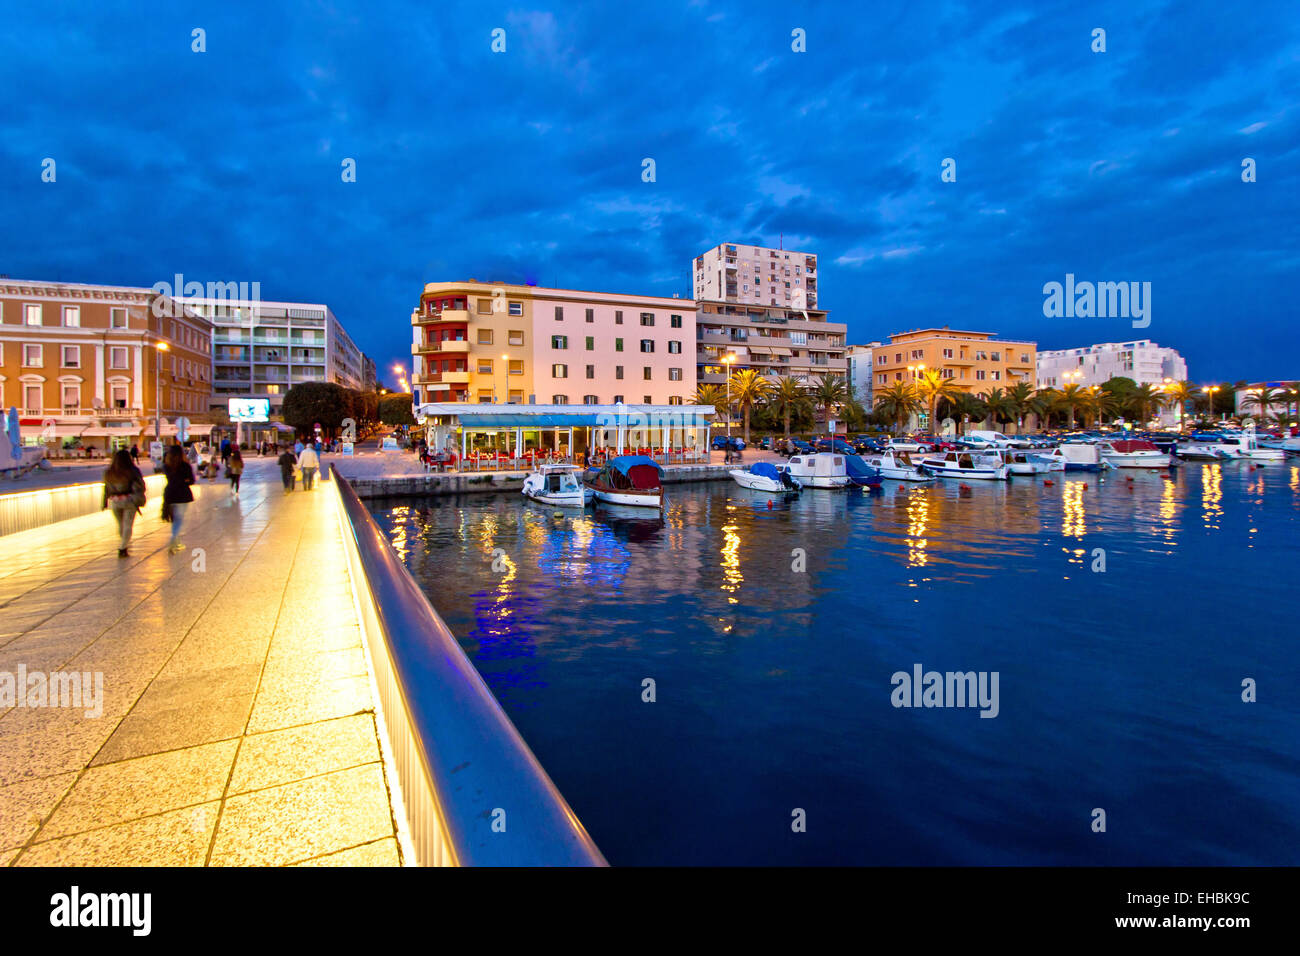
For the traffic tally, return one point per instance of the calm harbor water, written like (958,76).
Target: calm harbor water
(1118,689)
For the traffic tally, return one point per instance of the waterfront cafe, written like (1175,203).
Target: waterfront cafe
(468,437)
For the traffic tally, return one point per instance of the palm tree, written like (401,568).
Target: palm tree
(788,396)
(1097,403)
(748,388)
(829,392)
(714,395)
(969,407)
(1263,399)
(1179,394)
(1071,399)
(1021,398)
(930,387)
(1291,399)
(1000,405)
(1143,398)
(898,402)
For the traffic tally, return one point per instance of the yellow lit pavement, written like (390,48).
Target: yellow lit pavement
(237,723)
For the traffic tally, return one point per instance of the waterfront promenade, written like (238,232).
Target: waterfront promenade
(238,724)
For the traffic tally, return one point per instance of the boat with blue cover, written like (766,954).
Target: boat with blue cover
(765,476)
(634,480)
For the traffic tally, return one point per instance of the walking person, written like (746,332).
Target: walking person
(287,464)
(177,495)
(124,493)
(308,462)
(235,468)
(135,453)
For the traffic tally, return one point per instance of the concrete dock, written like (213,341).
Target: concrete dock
(237,723)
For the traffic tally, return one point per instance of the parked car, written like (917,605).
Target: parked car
(866,445)
(722,443)
(908,444)
(796,446)
(836,445)
(765,443)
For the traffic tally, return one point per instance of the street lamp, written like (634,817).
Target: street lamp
(505,389)
(157,390)
(729,358)
(1209,390)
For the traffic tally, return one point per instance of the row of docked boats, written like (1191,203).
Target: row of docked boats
(633,480)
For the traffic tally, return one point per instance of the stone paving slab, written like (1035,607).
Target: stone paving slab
(236,724)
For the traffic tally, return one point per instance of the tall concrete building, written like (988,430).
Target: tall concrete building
(757,309)
(861,371)
(1143,361)
(262,348)
(491,342)
(972,361)
(756,275)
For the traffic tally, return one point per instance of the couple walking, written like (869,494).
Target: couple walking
(306,462)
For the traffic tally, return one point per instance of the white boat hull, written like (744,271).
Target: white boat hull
(747,479)
(630,498)
(578,499)
(1139,459)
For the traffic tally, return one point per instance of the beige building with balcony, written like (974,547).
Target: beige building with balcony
(756,275)
(83,363)
(973,361)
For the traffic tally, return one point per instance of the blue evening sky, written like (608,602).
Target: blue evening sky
(526,165)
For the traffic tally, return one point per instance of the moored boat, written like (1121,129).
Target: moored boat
(765,476)
(966,464)
(557,485)
(1077,456)
(819,470)
(633,480)
(1133,453)
(898,466)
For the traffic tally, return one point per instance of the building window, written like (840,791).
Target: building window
(516,367)
(675,321)
(32,399)
(117,318)
(947,353)
(618,399)
(31,315)
(618,345)
(591,315)
(559,341)
(647,399)
(647,318)
(618,371)
(484,306)
(674,375)
(591,371)
(675,400)
(516,308)
(559,371)
(674,348)
(485,396)
(559,313)
(591,343)
(72,316)
(32,357)
(618,318)
(484,336)
(72,356)
(516,397)
(979,375)
(559,399)
(590,400)
(1024,358)
(647,345)
(71,398)
(996,356)
(647,373)
(117,396)
(516,337)
(485,366)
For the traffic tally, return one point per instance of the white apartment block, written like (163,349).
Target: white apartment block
(861,366)
(260,348)
(756,275)
(1143,361)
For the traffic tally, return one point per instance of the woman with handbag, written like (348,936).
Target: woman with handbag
(124,493)
(176,494)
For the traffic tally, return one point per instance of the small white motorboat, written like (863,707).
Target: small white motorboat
(765,476)
(981,466)
(1133,453)
(1250,448)
(898,466)
(820,470)
(1024,463)
(557,485)
(634,480)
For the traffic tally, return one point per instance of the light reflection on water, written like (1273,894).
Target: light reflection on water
(1119,689)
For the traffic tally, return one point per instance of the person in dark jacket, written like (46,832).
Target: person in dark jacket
(287,464)
(225,450)
(124,493)
(235,468)
(176,494)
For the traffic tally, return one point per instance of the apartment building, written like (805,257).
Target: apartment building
(973,361)
(86,364)
(773,341)
(262,348)
(1143,361)
(756,275)
(861,370)
(490,342)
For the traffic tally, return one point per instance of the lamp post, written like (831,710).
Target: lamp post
(1209,390)
(159,347)
(729,358)
(505,387)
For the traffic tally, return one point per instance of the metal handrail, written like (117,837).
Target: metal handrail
(468,769)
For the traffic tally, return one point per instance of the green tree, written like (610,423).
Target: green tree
(395,409)
(714,395)
(930,387)
(1180,393)
(897,403)
(829,392)
(1262,399)
(748,388)
(1020,396)
(307,404)
(788,396)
